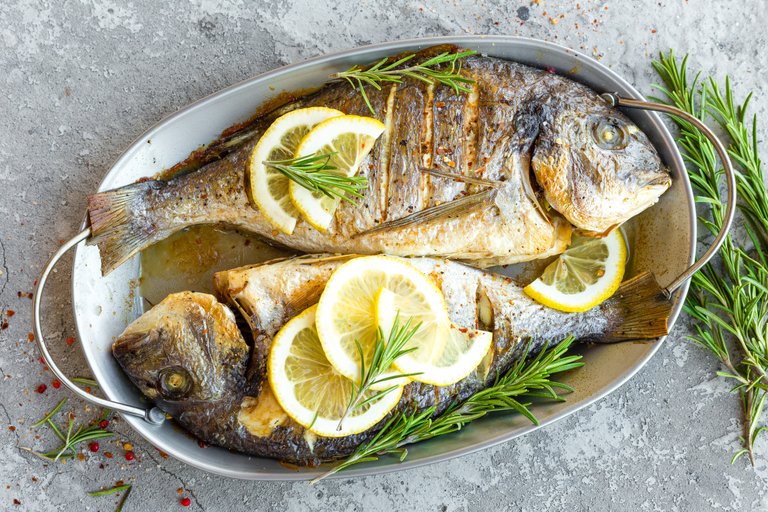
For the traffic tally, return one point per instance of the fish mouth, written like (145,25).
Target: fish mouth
(135,343)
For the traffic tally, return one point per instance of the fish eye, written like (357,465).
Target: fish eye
(609,136)
(174,382)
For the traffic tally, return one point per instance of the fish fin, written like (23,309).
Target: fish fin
(116,229)
(643,311)
(461,178)
(450,209)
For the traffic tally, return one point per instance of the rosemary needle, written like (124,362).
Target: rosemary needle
(312,173)
(376,74)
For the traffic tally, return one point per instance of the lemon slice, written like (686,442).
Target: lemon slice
(267,188)
(445,353)
(585,275)
(351,138)
(347,309)
(310,390)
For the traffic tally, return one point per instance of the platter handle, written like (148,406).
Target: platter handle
(617,101)
(152,415)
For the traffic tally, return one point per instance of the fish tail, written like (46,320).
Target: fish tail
(643,311)
(118,227)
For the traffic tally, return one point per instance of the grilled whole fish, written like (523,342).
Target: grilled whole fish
(188,356)
(498,176)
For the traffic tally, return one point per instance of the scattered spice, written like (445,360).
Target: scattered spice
(70,341)
(181,490)
(108,455)
(41,388)
(103,424)
(56,384)
(31,337)
(80,457)
(127,447)
(16,502)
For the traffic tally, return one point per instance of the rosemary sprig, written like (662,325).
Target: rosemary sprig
(384,354)
(127,488)
(70,440)
(311,172)
(731,305)
(111,490)
(87,382)
(526,378)
(376,74)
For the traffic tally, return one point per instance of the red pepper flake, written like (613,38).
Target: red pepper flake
(11,313)
(197,241)
(130,455)
(56,384)
(185,502)
(653,31)
(162,453)
(94,447)
(203,444)
(41,388)
(70,341)
(550,70)
(204,196)
(12,429)
(103,424)
(34,479)
(463,330)
(15,501)
(108,455)
(440,104)
(30,295)
(4,326)
(31,337)
(119,483)
(42,360)
(247,243)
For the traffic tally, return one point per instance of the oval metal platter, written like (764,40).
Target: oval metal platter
(664,236)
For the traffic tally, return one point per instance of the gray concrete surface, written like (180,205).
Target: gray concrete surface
(80,79)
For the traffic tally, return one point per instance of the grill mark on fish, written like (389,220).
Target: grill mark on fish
(353,218)
(427,145)
(471,115)
(386,153)
(404,188)
(449,111)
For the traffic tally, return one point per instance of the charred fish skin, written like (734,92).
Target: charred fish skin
(246,416)
(537,140)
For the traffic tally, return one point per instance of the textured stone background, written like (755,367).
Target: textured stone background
(80,79)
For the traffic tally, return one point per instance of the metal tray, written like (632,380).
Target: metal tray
(103,306)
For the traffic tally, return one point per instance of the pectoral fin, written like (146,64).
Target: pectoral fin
(449,210)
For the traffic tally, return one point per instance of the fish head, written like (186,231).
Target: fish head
(596,167)
(185,351)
